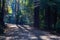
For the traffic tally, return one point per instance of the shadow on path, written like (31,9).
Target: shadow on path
(26,32)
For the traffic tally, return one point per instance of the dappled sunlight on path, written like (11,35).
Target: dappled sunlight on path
(25,32)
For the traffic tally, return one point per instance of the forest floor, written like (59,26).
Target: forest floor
(25,32)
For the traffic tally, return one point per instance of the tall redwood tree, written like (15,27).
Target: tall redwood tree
(2,25)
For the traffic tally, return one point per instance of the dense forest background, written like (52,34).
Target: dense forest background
(43,14)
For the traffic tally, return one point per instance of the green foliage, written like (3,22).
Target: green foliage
(27,11)
(9,10)
(41,16)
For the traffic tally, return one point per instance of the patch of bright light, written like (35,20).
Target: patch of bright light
(33,37)
(8,38)
(44,37)
(52,36)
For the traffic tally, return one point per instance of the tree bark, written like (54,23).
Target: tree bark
(51,17)
(48,19)
(36,17)
(2,26)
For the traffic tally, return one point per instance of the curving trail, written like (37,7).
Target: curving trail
(25,32)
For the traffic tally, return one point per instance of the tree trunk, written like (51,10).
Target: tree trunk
(36,17)
(51,17)
(48,20)
(55,15)
(2,26)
